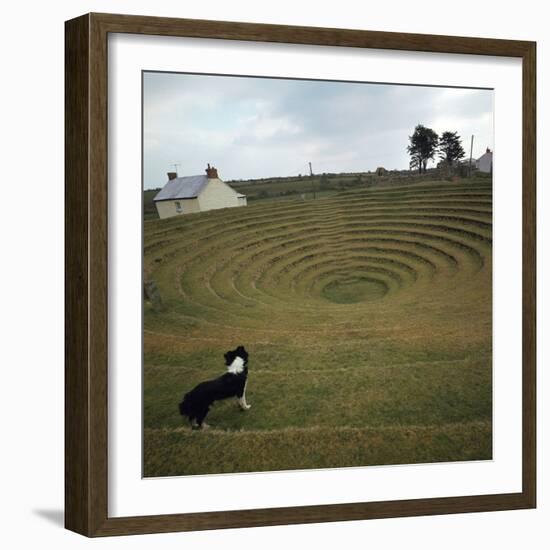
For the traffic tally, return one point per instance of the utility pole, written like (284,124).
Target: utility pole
(312,182)
(471,151)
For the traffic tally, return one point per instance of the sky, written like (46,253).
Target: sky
(249,127)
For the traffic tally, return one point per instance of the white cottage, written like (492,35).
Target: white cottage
(195,194)
(485,162)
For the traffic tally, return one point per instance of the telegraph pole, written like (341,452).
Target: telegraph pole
(471,151)
(312,182)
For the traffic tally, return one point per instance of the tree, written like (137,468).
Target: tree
(450,148)
(422,148)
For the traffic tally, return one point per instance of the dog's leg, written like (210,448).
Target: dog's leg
(201,424)
(242,399)
(194,424)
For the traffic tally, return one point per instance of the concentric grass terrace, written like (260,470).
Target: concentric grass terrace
(367,316)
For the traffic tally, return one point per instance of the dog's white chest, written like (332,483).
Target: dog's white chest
(237,366)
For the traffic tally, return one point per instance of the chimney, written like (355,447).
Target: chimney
(488,150)
(211,172)
(172,175)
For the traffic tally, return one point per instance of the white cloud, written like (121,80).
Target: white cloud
(258,127)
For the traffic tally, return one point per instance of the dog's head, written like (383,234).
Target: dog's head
(230,356)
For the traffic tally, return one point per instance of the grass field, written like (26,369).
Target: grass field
(306,187)
(367,315)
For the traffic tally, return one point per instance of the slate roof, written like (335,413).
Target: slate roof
(187,187)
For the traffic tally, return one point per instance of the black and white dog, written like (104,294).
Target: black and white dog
(197,402)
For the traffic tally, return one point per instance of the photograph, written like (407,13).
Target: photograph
(317,274)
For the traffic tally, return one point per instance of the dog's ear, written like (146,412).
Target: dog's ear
(229,357)
(242,353)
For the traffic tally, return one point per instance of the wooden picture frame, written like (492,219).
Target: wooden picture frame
(86,230)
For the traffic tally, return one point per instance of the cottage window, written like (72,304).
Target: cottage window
(179,209)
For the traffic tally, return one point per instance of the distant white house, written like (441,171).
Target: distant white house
(485,162)
(195,194)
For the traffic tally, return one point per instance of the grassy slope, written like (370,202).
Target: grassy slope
(305,187)
(367,315)
(149,208)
